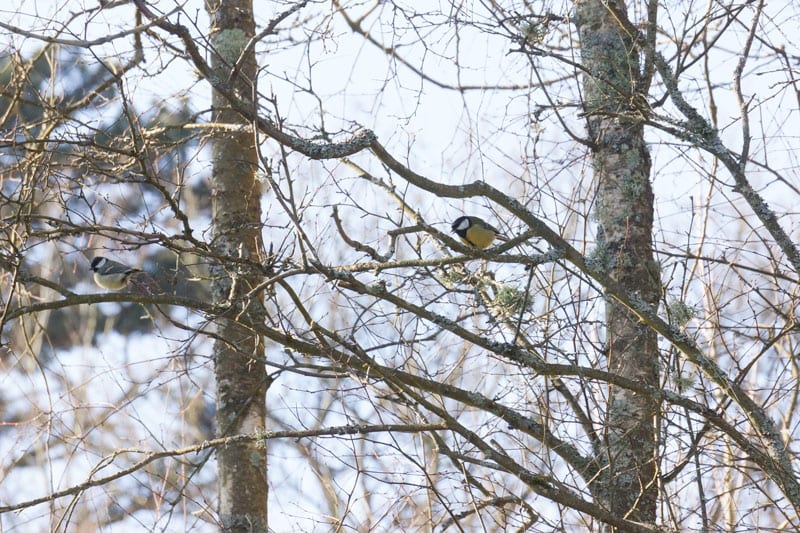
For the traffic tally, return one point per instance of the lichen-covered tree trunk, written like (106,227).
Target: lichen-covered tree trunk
(238,352)
(628,485)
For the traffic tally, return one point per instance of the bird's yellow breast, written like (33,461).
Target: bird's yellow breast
(479,237)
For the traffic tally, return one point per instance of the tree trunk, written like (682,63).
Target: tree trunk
(625,215)
(238,353)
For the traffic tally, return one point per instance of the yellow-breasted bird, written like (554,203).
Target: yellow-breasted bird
(474,231)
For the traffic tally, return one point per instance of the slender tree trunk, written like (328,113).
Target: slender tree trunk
(238,353)
(621,163)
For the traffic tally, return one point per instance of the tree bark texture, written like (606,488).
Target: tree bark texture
(241,379)
(621,162)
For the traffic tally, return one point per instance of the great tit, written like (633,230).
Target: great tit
(473,231)
(111,275)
